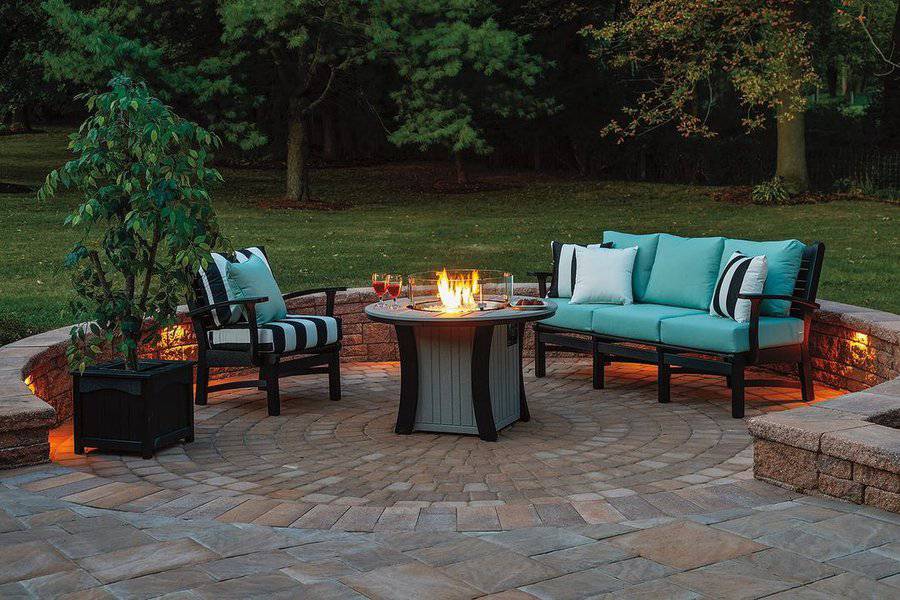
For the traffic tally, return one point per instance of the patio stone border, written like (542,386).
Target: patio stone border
(853,348)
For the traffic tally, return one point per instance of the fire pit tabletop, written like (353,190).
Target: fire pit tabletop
(404,315)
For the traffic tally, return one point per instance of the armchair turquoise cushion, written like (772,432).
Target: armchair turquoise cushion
(643,262)
(635,321)
(784,263)
(684,271)
(253,279)
(706,332)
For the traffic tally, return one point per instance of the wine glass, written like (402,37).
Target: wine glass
(394,285)
(379,285)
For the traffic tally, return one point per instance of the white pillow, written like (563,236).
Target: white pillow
(741,275)
(604,275)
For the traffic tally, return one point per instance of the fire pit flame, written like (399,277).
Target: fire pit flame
(458,293)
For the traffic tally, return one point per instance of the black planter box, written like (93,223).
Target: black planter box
(136,411)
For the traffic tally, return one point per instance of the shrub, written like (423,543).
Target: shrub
(144,216)
(772,192)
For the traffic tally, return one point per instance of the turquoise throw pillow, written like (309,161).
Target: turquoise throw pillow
(253,279)
(643,263)
(784,259)
(684,271)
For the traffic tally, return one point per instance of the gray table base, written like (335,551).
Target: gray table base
(448,375)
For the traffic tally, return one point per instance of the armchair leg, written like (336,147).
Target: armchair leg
(737,388)
(334,376)
(804,367)
(202,383)
(262,377)
(540,356)
(663,380)
(599,362)
(272,394)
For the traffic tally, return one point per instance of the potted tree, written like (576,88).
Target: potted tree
(145,225)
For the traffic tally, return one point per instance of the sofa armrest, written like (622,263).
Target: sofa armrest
(542,277)
(801,302)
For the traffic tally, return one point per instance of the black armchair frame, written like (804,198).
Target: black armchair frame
(272,366)
(673,360)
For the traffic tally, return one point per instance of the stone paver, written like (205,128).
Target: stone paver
(619,498)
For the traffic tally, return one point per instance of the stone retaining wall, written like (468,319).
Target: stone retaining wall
(853,348)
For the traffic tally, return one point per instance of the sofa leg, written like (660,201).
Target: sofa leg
(599,362)
(737,388)
(804,367)
(201,393)
(540,356)
(273,397)
(663,380)
(334,376)
(262,378)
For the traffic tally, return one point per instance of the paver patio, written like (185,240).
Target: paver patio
(602,494)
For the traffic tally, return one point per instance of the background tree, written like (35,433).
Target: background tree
(23,87)
(684,46)
(145,217)
(458,68)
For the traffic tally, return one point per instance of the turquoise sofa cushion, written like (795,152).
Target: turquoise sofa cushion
(635,321)
(684,271)
(706,332)
(643,262)
(571,316)
(253,279)
(784,263)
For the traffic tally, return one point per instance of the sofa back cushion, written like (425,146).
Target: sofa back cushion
(684,271)
(643,262)
(783,259)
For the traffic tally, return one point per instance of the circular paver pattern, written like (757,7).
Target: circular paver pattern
(581,444)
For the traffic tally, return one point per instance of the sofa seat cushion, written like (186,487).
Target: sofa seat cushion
(783,260)
(643,262)
(635,321)
(293,333)
(706,332)
(685,271)
(571,316)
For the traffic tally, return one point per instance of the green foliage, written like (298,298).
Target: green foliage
(24,37)
(686,48)
(459,68)
(771,193)
(144,217)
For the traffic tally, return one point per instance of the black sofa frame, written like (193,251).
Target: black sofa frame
(674,360)
(272,366)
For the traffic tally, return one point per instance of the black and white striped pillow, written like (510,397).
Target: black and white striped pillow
(565,268)
(212,284)
(742,275)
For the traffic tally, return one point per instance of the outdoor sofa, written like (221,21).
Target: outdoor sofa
(670,325)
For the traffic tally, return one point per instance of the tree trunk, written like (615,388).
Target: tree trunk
(536,154)
(791,156)
(329,135)
(460,169)
(297,153)
(845,79)
(21,121)
(890,106)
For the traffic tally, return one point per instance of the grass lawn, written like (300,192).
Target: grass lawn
(395,224)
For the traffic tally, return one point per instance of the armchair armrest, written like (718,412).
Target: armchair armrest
(756,298)
(542,277)
(248,302)
(329,296)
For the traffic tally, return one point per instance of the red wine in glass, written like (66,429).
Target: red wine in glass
(393,289)
(380,287)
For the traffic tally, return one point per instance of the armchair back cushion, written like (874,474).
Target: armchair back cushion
(684,271)
(252,278)
(783,259)
(211,287)
(643,262)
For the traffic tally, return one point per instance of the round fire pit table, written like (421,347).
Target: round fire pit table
(460,372)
